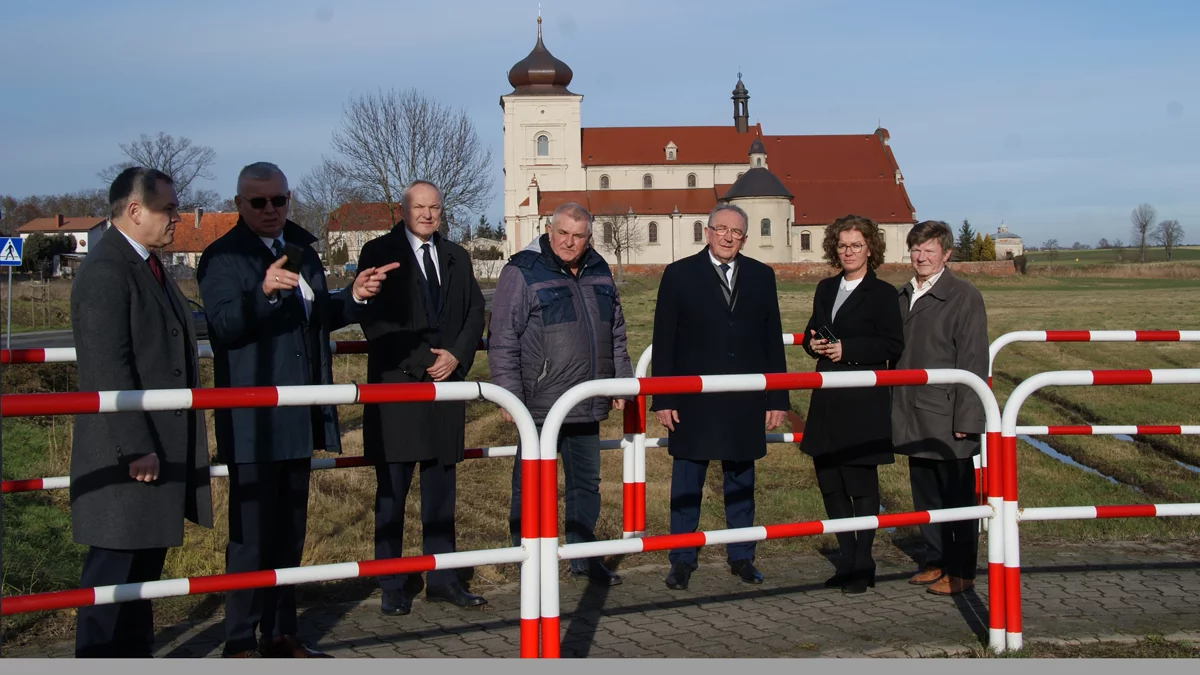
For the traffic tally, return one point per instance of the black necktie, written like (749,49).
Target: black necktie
(431,275)
(277,249)
(725,273)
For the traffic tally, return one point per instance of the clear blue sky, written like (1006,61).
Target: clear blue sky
(1057,117)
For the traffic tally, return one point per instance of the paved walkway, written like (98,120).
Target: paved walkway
(1080,593)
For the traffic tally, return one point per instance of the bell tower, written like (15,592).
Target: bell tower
(741,107)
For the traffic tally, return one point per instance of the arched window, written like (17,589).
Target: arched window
(805,241)
(691,180)
(697,232)
(670,154)
(543,145)
(603,182)
(758,161)
(608,233)
(765,227)
(652,235)
(647,181)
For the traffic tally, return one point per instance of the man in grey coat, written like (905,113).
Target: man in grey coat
(557,322)
(939,426)
(135,476)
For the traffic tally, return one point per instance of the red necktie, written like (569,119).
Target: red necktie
(156,268)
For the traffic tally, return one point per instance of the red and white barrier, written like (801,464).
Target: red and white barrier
(528,555)
(1013,514)
(1114,430)
(630,387)
(1087,336)
(67,354)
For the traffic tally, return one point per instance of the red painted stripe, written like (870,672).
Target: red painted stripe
(396,393)
(529,638)
(548,477)
(473,453)
(1068,336)
(240,397)
(1012,599)
(1009,462)
(664,542)
(1130,511)
(1100,377)
(996,593)
(29,485)
(219,583)
(627,508)
(71,403)
(1153,429)
(22,356)
(1070,430)
(787,530)
(903,519)
(20,604)
(413,565)
(347,462)
(639,507)
(684,384)
(635,416)
(979,496)
(797,339)
(989,381)
(995,468)
(777,381)
(893,378)
(529,498)
(351,346)
(550,633)
(1157,335)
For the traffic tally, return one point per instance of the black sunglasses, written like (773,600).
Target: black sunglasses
(260,203)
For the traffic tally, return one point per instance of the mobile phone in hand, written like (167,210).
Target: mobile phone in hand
(295,256)
(827,335)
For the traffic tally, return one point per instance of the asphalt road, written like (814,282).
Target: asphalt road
(62,338)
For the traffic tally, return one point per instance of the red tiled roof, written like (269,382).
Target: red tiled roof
(69,224)
(647,145)
(362,217)
(643,202)
(192,239)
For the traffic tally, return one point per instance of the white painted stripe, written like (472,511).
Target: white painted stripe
(1033,431)
(167,588)
(963,513)
(218,471)
(975,461)
(1014,641)
(104,595)
(1108,430)
(492,556)
(59,355)
(530,600)
(323,463)
(608,445)
(1058,513)
(995,544)
(548,551)
(592,549)
(318,394)
(1012,538)
(850,524)
(781,438)
(860,378)
(735,536)
(500,451)
(456,391)
(996,639)
(1113,335)
(303,575)
(1175,376)
(789,338)
(56,483)
(1164,510)
(1190,429)
(206,351)
(718,383)
(153,399)
(628,460)
(1189,336)
(657,442)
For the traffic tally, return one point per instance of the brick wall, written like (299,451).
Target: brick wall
(815,271)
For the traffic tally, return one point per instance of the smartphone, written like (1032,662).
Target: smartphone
(295,256)
(824,333)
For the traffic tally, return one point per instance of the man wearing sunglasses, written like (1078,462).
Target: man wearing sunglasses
(717,314)
(269,314)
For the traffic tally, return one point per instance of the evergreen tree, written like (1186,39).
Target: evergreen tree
(977,247)
(966,240)
(989,249)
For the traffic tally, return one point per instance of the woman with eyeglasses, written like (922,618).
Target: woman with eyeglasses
(855,325)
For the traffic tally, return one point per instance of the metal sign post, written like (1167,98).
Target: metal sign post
(10,257)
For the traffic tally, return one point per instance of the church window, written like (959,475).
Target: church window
(697,232)
(758,161)
(652,235)
(805,241)
(670,155)
(608,233)
(647,181)
(543,145)
(765,227)
(691,180)
(603,182)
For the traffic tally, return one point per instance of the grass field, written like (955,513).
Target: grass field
(39,555)
(1069,258)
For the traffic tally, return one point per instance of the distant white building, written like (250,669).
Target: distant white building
(1008,245)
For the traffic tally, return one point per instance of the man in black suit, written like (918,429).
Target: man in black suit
(717,313)
(269,326)
(424,327)
(135,476)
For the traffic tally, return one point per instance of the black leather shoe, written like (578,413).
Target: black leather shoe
(859,582)
(599,575)
(838,580)
(455,595)
(747,571)
(395,603)
(678,578)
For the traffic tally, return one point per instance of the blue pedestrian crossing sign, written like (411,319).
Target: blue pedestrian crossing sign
(10,251)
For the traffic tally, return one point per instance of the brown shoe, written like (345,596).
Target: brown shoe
(949,585)
(928,576)
(290,647)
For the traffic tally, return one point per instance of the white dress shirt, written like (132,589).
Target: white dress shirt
(306,291)
(922,289)
(141,250)
(416,245)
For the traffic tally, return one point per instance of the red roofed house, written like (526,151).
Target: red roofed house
(86,230)
(671,177)
(193,234)
(352,225)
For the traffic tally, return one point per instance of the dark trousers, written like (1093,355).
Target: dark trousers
(946,484)
(438,485)
(268,514)
(579,445)
(851,491)
(687,486)
(121,630)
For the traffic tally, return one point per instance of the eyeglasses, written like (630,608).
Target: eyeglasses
(856,247)
(260,203)
(722,231)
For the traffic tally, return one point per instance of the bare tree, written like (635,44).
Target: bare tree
(179,158)
(1168,235)
(1103,243)
(1050,246)
(318,194)
(620,235)
(389,139)
(1142,218)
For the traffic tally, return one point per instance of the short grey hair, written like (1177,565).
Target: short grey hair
(575,212)
(259,171)
(730,207)
(415,183)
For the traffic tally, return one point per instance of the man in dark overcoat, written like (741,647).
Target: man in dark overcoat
(939,426)
(424,327)
(135,476)
(269,326)
(717,313)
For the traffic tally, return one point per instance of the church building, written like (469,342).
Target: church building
(661,182)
